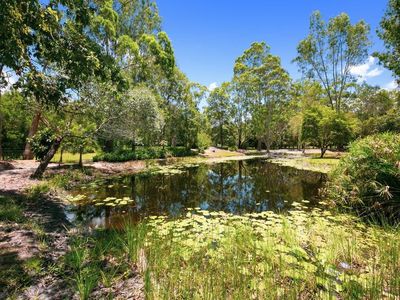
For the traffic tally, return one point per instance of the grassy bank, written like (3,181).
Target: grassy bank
(323,165)
(72,157)
(305,254)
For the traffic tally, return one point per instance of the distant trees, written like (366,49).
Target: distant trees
(389,32)
(103,74)
(330,50)
(324,128)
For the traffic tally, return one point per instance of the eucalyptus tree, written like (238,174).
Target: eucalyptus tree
(266,84)
(240,102)
(330,50)
(139,118)
(389,32)
(219,112)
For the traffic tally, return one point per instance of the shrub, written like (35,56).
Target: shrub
(368,178)
(143,153)
(203,141)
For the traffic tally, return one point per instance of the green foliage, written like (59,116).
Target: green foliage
(85,272)
(263,84)
(323,127)
(15,116)
(42,142)
(329,51)
(368,178)
(203,141)
(390,34)
(144,153)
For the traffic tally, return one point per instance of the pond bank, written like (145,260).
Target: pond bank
(64,273)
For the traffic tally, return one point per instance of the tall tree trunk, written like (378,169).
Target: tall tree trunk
(1,121)
(46,160)
(133,144)
(323,150)
(80,157)
(1,134)
(28,154)
(259,144)
(61,155)
(221,135)
(240,137)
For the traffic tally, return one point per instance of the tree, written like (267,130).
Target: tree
(303,95)
(266,85)
(219,112)
(140,119)
(240,109)
(390,34)
(323,127)
(329,52)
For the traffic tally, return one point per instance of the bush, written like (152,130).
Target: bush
(368,178)
(143,153)
(203,141)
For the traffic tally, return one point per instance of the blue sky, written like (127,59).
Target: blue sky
(208,35)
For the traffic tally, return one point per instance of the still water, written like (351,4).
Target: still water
(235,187)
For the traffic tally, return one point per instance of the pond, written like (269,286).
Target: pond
(235,187)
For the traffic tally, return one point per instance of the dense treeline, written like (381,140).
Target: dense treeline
(102,76)
(263,107)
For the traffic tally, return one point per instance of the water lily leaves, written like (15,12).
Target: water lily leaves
(113,202)
(76,198)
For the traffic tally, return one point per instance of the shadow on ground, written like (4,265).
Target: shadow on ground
(33,236)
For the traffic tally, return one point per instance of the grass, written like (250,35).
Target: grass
(10,209)
(221,153)
(323,165)
(306,254)
(73,158)
(17,273)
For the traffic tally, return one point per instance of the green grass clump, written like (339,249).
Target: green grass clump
(368,178)
(10,209)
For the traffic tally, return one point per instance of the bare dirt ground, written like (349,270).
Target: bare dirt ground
(15,176)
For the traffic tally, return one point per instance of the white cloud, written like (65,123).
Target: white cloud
(212,86)
(391,86)
(366,70)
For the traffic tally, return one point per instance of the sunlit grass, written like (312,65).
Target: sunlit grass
(73,158)
(324,165)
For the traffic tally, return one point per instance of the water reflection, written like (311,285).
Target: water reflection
(236,187)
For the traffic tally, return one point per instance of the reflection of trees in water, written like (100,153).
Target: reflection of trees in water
(234,187)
